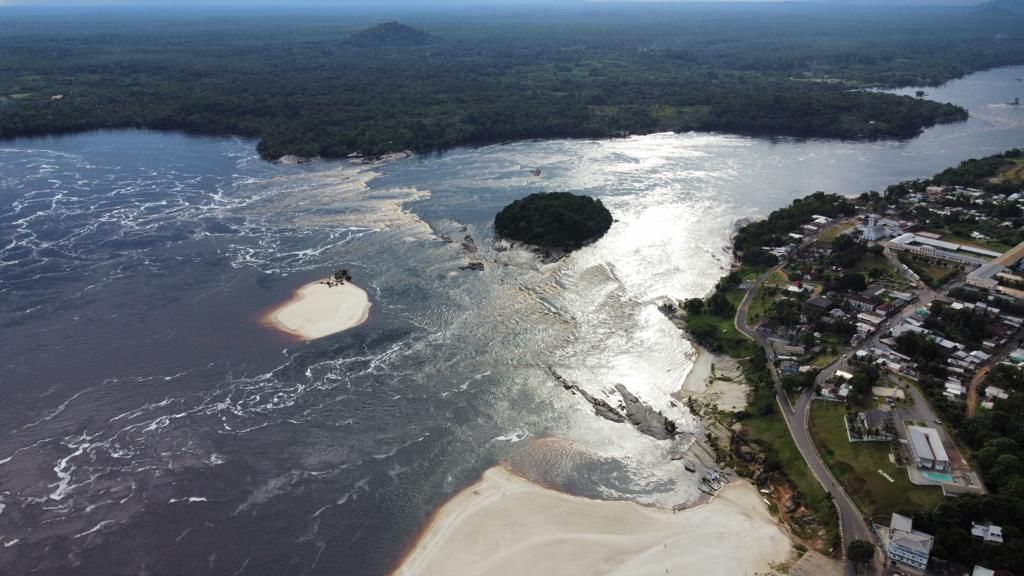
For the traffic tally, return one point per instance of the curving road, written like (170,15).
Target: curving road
(851,521)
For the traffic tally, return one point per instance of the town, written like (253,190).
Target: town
(891,324)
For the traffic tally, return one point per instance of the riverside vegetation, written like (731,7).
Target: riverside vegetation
(993,440)
(325,81)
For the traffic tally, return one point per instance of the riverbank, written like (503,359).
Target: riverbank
(716,380)
(319,309)
(504,522)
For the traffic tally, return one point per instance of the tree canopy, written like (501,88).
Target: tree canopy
(321,82)
(555,220)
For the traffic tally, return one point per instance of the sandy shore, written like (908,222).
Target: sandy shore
(696,381)
(317,310)
(505,525)
(716,379)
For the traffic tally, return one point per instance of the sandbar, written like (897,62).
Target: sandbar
(318,309)
(506,525)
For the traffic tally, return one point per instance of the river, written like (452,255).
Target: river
(154,426)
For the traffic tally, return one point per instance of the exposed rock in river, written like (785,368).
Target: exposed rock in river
(469,245)
(644,418)
(293,160)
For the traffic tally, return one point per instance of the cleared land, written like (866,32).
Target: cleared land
(857,467)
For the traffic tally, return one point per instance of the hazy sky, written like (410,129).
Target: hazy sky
(427,2)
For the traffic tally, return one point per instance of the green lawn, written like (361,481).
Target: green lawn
(879,263)
(761,304)
(824,359)
(829,234)
(777,278)
(1015,174)
(772,431)
(857,465)
(932,275)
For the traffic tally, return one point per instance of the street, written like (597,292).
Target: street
(851,521)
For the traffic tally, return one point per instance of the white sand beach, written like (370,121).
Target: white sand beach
(317,310)
(506,525)
(716,379)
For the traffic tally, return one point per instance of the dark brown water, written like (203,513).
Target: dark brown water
(151,425)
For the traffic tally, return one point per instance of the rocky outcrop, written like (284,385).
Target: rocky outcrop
(644,418)
(601,407)
(632,410)
(293,160)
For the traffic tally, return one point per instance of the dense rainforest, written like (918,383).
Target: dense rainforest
(555,220)
(333,81)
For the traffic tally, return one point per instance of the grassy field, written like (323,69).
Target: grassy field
(880,264)
(1015,174)
(772,430)
(722,330)
(824,359)
(932,275)
(829,234)
(857,465)
(777,278)
(761,304)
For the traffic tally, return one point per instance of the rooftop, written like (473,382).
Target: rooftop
(901,522)
(988,532)
(927,444)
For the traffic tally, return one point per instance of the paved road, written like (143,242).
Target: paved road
(851,520)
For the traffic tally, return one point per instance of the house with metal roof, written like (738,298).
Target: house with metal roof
(927,449)
(988,533)
(907,546)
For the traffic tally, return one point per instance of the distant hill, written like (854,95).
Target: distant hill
(390,34)
(1002,6)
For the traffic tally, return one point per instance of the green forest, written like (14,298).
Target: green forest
(330,82)
(553,220)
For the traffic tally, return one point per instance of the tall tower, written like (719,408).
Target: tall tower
(871,230)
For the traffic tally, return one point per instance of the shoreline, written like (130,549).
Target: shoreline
(715,379)
(503,521)
(316,310)
(696,380)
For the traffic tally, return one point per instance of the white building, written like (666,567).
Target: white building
(941,250)
(906,545)
(988,533)
(927,449)
(872,231)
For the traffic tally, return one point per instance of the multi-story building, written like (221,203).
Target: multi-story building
(926,446)
(908,546)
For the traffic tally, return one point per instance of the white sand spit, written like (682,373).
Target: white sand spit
(317,310)
(505,525)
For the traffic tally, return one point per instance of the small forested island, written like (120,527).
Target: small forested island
(553,220)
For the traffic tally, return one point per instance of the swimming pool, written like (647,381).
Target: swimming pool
(938,477)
